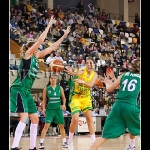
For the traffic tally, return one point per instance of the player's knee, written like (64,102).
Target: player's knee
(46,127)
(34,119)
(61,126)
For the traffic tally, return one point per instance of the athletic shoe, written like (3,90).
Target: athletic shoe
(65,145)
(16,148)
(33,148)
(41,146)
(130,148)
(70,146)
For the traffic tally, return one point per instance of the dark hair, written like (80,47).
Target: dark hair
(52,74)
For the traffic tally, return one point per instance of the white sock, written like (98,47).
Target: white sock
(64,140)
(41,140)
(132,142)
(92,138)
(33,135)
(70,136)
(18,134)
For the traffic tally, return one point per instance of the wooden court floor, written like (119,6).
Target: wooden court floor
(81,142)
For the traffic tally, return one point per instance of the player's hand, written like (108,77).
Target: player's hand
(63,107)
(111,74)
(107,80)
(68,69)
(51,21)
(67,31)
(79,81)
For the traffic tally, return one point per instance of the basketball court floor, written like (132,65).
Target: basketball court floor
(81,142)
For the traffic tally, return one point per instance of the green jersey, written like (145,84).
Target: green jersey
(129,90)
(53,97)
(27,73)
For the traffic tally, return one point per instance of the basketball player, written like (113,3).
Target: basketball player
(80,98)
(132,138)
(125,112)
(21,100)
(54,109)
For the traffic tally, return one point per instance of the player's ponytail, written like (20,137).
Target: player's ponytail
(25,47)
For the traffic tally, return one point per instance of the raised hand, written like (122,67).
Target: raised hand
(51,21)
(106,80)
(111,74)
(68,69)
(67,31)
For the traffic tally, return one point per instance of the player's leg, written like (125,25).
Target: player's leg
(48,120)
(59,119)
(132,118)
(43,134)
(34,121)
(114,127)
(87,110)
(75,109)
(18,104)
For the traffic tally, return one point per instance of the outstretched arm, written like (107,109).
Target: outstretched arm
(112,86)
(42,37)
(68,69)
(53,46)
(44,99)
(90,84)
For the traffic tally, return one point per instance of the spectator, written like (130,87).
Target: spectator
(137,19)
(91,9)
(80,7)
(58,55)
(41,9)
(61,14)
(15,37)
(95,112)
(29,7)
(41,119)
(55,33)
(50,58)
(114,41)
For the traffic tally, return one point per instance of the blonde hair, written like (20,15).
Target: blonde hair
(135,66)
(25,47)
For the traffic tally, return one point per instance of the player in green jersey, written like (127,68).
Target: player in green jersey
(21,100)
(131,145)
(54,93)
(125,112)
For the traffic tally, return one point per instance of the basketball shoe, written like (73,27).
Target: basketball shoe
(16,148)
(70,146)
(130,148)
(65,145)
(41,146)
(33,148)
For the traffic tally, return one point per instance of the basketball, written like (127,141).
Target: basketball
(56,66)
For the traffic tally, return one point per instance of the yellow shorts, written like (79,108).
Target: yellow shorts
(78,103)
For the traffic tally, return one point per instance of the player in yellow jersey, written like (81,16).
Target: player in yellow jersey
(80,98)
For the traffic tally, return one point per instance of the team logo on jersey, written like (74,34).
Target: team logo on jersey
(49,92)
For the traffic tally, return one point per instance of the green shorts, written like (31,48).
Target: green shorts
(21,100)
(54,115)
(122,116)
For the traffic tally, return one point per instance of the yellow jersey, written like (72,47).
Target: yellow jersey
(81,88)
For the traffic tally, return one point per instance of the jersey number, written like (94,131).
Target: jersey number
(55,93)
(130,85)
